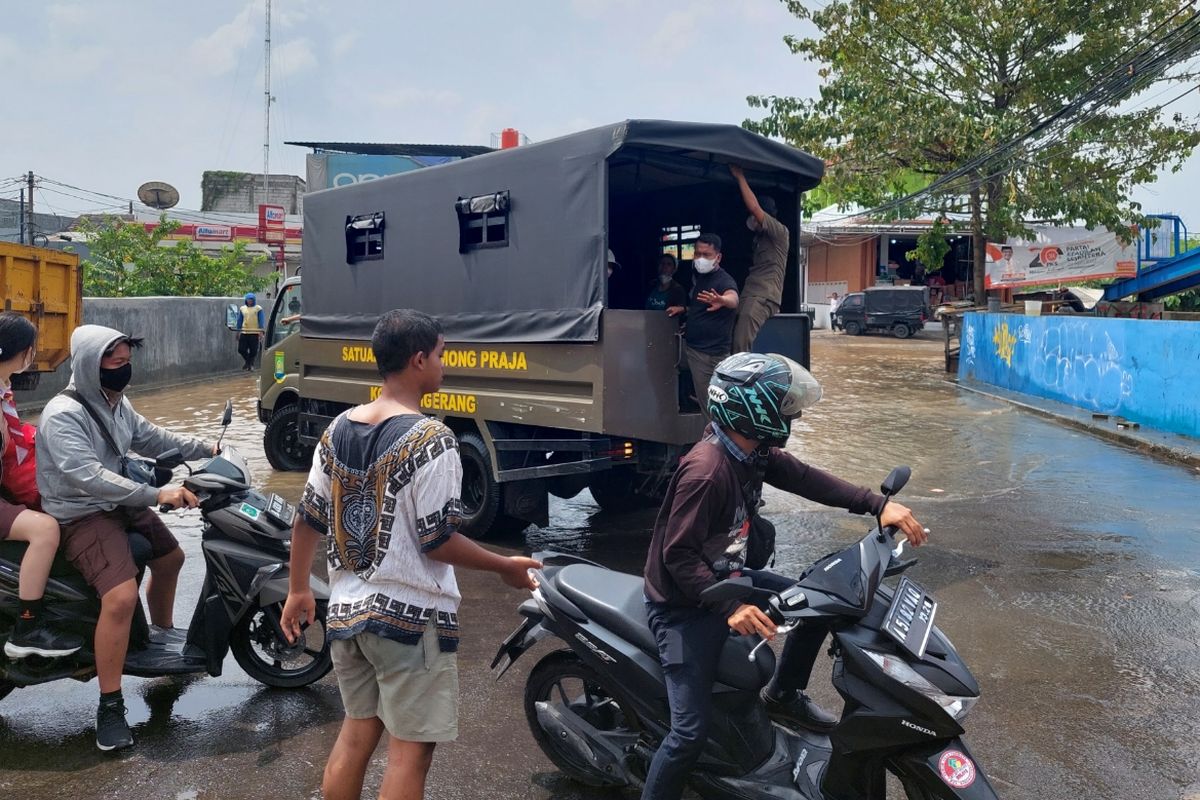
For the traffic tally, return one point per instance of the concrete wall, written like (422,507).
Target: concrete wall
(851,262)
(1143,370)
(186,340)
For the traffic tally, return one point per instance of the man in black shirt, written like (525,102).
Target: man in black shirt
(712,308)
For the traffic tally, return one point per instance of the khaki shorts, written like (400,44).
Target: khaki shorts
(412,689)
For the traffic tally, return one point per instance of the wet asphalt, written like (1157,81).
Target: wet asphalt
(1066,568)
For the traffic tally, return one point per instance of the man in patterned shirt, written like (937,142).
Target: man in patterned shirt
(384,492)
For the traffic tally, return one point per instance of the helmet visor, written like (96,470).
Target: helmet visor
(803,392)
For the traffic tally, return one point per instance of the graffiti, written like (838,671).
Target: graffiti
(968,340)
(1005,343)
(1081,364)
(1025,334)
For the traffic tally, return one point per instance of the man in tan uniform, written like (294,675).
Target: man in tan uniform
(763,290)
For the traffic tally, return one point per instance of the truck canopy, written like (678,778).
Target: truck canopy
(896,299)
(511,246)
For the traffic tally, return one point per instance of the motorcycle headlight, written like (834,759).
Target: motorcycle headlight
(898,670)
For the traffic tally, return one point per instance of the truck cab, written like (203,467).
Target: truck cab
(557,377)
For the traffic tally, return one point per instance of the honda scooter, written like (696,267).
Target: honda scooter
(246,542)
(598,709)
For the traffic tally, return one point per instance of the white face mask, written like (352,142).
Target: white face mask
(704,265)
(665,280)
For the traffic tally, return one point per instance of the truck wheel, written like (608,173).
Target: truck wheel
(281,441)
(567,486)
(901,331)
(853,328)
(480,492)
(613,490)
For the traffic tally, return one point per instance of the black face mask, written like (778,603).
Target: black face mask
(115,380)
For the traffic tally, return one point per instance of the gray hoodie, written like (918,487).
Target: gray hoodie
(78,473)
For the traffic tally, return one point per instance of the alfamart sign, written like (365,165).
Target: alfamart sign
(1059,255)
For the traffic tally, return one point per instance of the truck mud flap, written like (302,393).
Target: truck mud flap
(949,772)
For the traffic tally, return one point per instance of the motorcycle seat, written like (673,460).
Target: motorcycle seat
(617,602)
(13,552)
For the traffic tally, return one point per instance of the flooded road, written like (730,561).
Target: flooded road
(1066,569)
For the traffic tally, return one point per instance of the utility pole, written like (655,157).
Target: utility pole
(29,212)
(267,108)
(21,220)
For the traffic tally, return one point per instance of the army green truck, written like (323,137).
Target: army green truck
(557,377)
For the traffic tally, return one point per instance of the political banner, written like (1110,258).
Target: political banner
(1059,255)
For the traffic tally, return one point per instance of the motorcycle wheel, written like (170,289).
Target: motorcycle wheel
(270,659)
(563,679)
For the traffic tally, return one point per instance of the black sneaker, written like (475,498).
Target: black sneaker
(41,641)
(112,731)
(799,709)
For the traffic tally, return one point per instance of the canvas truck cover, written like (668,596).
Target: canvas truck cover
(896,299)
(546,281)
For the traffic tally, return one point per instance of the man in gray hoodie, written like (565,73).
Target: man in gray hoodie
(82,486)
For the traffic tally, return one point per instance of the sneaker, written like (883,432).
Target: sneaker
(112,731)
(42,641)
(167,636)
(798,709)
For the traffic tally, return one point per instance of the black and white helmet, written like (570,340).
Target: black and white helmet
(759,395)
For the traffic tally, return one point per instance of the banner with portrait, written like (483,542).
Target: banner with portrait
(1059,255)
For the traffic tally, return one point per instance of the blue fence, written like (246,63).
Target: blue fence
(1145,371)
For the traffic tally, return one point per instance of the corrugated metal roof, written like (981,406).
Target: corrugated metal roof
(386,149)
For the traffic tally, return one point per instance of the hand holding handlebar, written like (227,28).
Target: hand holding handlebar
(899,516)
(170,498)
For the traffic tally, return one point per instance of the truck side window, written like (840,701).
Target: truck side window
(482,221)
(364,237)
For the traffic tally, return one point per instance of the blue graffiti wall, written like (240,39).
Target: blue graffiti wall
(1146,371)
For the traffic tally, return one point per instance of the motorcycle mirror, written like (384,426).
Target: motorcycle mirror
(227,417)
(729,589)
(895,481)
(170,459)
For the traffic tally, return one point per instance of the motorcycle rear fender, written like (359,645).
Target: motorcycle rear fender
(529,633)
(925,767)
(271,586)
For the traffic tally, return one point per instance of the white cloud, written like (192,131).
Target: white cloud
(217,53)
(404,96)
(8,50)
(594,9)
(344,43)
(292,57)
(69,14)
(676,32)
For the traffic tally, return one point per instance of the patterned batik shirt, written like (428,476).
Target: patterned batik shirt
(384,496)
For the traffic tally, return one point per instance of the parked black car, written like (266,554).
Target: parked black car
(900,310)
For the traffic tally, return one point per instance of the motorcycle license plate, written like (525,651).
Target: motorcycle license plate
(281,510)
(910,617)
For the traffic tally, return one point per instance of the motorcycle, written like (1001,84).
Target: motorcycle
(598,709)
(246,543)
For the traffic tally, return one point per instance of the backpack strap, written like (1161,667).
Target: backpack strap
(104,431)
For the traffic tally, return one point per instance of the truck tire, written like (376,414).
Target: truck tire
(613,489)
(281,441)
(901,331)
(480,491)
(853,328)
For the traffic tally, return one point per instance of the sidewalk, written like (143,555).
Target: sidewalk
(1168,445)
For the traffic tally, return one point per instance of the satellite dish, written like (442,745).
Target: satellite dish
(157,194)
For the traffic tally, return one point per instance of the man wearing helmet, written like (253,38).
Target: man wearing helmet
(701,535)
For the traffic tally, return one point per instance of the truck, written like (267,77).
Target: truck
(46,286)
(557,379)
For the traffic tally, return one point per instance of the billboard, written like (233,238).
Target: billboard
(271,221)
(1059,255)
(330,170)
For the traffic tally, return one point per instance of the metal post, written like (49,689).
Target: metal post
(267,108)
(21,220)
(29,214)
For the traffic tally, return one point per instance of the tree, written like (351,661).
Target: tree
(932,246)
(1014,110)
(127,260)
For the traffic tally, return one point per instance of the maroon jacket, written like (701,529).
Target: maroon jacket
(704,511)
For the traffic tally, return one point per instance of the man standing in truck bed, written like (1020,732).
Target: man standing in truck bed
(712,303)
(763,289)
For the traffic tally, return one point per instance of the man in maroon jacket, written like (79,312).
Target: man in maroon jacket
(704,520)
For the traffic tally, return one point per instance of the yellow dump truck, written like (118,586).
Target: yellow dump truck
(47,287)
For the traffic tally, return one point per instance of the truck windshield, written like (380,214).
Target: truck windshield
(285,318)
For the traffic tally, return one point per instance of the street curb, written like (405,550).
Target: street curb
(1073,418)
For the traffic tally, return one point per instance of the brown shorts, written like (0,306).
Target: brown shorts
(8,515)
(98,545)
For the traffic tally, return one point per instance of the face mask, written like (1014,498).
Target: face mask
(752,223)
(250,303)
(704,265)
(665,280)
(115,380)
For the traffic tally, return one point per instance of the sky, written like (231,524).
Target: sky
(107,94)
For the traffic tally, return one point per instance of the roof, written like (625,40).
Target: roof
(395,149)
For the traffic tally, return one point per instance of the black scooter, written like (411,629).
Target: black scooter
(246,543)
(599,709)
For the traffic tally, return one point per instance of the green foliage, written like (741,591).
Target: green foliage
(932,246)
(126,260)
(922,89)
(1184,301)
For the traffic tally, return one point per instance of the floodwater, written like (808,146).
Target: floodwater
(1066,569)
